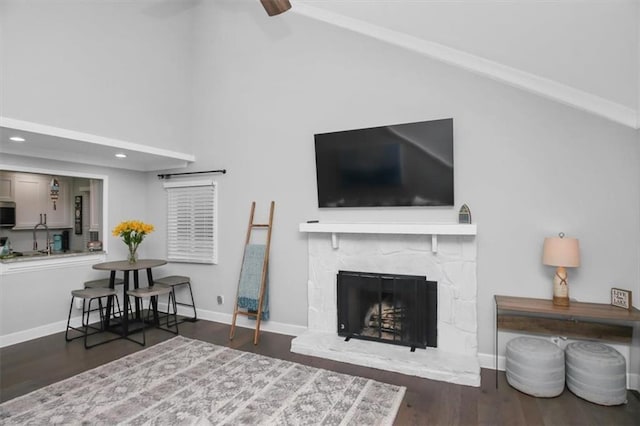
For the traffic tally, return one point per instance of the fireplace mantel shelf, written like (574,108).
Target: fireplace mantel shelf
(433,229)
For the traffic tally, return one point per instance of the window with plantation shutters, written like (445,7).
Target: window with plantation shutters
(192,231)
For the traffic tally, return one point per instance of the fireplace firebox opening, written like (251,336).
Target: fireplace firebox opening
(397,309)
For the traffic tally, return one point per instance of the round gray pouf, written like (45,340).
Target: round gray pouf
(597,373)
(535,366)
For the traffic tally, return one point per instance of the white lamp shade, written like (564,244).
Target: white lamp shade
(561,251)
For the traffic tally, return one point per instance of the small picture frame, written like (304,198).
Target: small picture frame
(621,298)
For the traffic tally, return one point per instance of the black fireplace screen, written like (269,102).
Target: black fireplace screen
(398,309)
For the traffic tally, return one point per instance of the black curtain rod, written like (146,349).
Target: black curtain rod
(167,176)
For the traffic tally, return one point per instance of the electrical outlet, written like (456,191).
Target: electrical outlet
(220,300)
(78,302)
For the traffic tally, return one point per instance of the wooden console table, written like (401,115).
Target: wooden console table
(595,321)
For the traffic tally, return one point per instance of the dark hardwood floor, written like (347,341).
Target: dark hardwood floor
(30,365)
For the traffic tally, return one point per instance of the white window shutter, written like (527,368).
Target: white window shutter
(192,216)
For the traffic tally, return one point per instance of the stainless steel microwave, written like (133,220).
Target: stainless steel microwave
(7,214)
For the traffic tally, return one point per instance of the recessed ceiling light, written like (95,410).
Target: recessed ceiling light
(121,155)
(18,139)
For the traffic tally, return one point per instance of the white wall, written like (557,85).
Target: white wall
(527,167)
(118,69)
(565,40)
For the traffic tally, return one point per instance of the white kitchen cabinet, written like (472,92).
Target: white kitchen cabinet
(7,187)
(60,217)
(33,202)
(95,203)
(28,198)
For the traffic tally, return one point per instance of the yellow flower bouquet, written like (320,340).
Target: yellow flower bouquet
(132,233)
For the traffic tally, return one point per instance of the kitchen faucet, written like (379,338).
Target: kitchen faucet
(35,241)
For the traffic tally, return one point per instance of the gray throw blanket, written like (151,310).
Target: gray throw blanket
(250,278)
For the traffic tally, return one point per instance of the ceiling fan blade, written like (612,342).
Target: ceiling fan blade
(275,7)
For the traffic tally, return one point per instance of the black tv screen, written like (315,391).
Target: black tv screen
(388,166)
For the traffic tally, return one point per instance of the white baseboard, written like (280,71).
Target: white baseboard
(56,327)
(489,361)
(34,333)
(241,321)
(271,326)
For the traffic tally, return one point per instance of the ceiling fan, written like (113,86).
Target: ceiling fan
(275,7)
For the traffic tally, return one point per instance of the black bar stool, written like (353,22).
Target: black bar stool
(175,281)
(88,295)
(152,293)
(104,283)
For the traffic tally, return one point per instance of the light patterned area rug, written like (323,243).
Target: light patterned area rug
(185,381)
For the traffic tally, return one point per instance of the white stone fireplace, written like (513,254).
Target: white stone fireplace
(445,253)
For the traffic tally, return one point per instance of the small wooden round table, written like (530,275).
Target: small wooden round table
(125,266)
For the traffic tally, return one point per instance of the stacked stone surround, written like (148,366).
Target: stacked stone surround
(453,266)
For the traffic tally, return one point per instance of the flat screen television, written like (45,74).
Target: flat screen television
(388,166)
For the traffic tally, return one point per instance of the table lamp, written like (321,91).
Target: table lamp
(563,253)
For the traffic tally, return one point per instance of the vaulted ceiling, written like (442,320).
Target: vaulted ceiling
(580,53)
(584,54)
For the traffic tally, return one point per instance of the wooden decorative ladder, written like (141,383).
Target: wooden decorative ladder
(263,280)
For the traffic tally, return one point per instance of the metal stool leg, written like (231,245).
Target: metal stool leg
(193,304)
(86,328)
(153,293)
(144,337)
(172,302)
(174,282)
(66,333)
(84,322)
(113,308)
